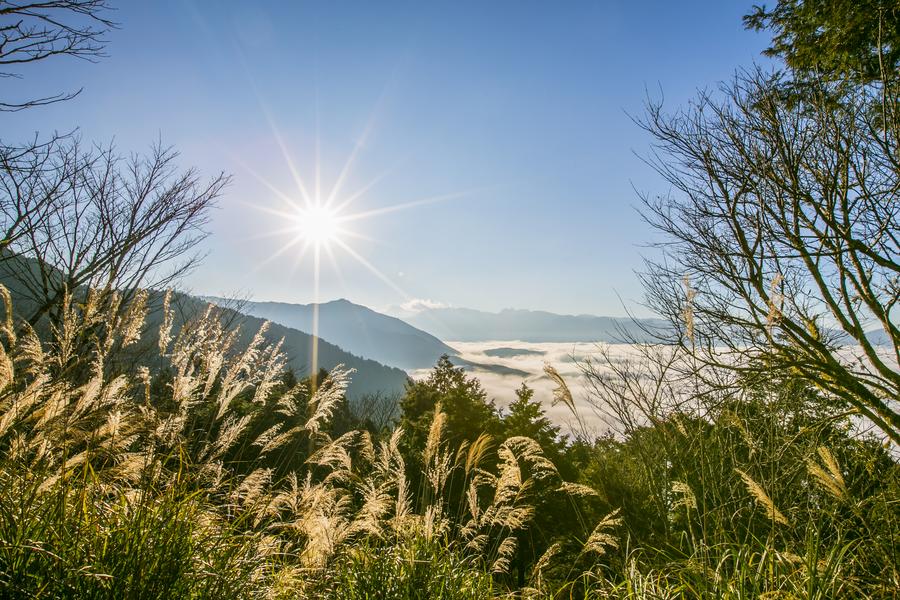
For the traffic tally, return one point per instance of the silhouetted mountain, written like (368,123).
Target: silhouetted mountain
(357,329)
(511,352)
(468,325)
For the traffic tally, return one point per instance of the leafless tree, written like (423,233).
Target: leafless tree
(35,31)
(30,181)
(380,410)
(100,220)
(32,32)
(781,235)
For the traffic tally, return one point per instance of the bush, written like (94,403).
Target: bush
(408,569)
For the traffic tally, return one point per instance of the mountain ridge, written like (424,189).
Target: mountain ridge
(515,324)
(460,324)
(355,328)
(371,376)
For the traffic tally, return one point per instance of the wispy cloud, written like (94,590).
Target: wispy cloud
(417,305)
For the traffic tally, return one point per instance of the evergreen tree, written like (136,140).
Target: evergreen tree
(526,417)
(853,39)
(557,516)
(469,412)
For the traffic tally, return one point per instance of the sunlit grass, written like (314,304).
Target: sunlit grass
(212,477)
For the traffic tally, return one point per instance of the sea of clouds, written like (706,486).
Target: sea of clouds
(530,360)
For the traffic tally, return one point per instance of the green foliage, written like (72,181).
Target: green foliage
(856,39)
(220,476)
(204,470)
(215,473)
(413,569)
(772,493)
(469,413)
(526,417)
(79,539)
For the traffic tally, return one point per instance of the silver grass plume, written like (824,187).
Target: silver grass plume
(688,311)
(165,328)
(238,376)
(504,555)
(562,393)
(336,454)
(601,538)
(403,502)
(229,433)
(273,366)
(7,369)
(537,572)
(578,490)
(776,303)
(9,330)
(829,476)
(685,496)
(763,499)
(476,452)
(435,432)
(327,396)
(30,351)
(133,320)
(253,487)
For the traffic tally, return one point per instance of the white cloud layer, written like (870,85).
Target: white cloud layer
(562,356)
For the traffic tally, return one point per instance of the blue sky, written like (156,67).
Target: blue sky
(519,111)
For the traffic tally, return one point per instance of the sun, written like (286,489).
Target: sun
(317,224)
(321,226)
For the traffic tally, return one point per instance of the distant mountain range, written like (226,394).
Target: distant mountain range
(368,341)
(357,329)
(468,325)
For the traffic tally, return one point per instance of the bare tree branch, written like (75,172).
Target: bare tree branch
(31,32)
(784,221)
(100,220)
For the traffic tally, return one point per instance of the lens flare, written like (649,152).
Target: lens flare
(312,222)
(317,225)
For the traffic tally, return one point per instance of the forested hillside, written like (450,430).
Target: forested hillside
(372,378)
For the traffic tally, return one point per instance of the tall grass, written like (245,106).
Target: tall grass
(750,489)
(173,482)
(208,476)
(411,568)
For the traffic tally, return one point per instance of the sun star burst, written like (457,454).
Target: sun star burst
(318,224)
(315,224)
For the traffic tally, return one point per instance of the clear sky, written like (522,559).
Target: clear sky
(517,112)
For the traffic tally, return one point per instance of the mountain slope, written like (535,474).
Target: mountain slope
(370,376)
(357,329)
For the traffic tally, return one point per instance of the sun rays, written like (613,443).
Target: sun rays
(310,226)
(315,223)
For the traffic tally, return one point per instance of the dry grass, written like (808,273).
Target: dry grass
(74,429)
